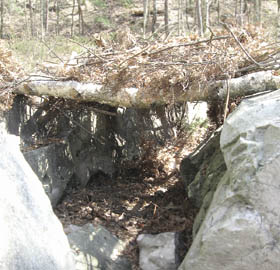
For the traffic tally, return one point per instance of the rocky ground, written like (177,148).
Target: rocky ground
(147,197)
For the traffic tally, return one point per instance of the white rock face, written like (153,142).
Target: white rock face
(241,230)
(197,111)
(157,252)
(31,236)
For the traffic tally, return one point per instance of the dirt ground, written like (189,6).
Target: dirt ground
(146,197)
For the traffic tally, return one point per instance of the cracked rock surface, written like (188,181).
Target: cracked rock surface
(241,228)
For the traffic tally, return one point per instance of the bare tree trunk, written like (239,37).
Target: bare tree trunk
(146,15)
(257,6)
(81,18)
(236,11)
(278,23)
(207,13)
(72,18)
(57,6)
(187,8)
(180,18)
(2,19)
(166,17)
(46,16)
(218,11)
(31,18)
(241,12)
(199,17)
(25,15)
(42,18)
(155,16)
(241,86)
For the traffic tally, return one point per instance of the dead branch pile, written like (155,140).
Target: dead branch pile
(10,71)
(178,64)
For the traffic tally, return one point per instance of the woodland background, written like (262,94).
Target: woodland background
(50,30)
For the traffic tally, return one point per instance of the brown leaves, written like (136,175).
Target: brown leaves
(175,63)
(9,69)
(9,72)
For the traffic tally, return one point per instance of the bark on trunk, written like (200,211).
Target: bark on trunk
(143,98)
(2,19)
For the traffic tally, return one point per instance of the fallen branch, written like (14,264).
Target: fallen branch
(246,85)
(271,63)
(134,55)
(190,44)
(240,45)
(133,97)
(227,101)
(52,51)
(88,49)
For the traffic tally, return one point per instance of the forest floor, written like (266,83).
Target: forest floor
(143,199)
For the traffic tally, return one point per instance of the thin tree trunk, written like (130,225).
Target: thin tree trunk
(57,6)
(31,18)
(199,17)
(46,20)
(81,18)
(155,16)
(278,29)
(2,19)
(218,11)
(42,18)
(257,6)
(180,25)
(72,21)
(166,21)
(207,14)
(241,12)
(187,14)
(236,11)
(25,15)
(278,23)
(146,13)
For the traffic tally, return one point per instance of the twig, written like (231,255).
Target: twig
(240,45)
(269,64)
(41,76)
(158,29)
(88,49)
(104,112)
(155,209)
(134,55)
(179,63)
(51,50)
(227,101)
(212,34)
(44,78)
(189,44)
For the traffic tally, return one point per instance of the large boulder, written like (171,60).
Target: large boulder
(96,248)
(201,173)
(31,236)
(159,251)
(241,227)
(54,167)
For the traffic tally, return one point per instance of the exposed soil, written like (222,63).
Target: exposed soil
(148,197)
